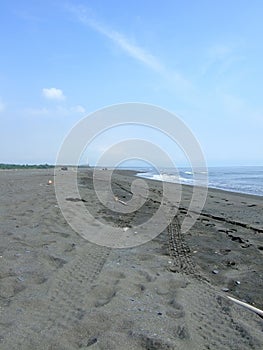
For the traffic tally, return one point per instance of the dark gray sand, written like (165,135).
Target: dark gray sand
(59,291)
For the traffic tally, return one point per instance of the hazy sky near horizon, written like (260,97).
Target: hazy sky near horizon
(61,60)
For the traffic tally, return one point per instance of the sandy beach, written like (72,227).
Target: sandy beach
(60,291)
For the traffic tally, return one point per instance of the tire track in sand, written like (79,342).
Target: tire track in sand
(213,322)
(64,305)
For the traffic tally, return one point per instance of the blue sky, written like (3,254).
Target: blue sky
(201,59)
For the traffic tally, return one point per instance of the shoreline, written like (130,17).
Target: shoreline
(209,187)
(135,173)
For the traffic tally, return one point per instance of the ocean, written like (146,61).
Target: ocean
(245,179)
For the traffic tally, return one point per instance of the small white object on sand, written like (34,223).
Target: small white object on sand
(120,201)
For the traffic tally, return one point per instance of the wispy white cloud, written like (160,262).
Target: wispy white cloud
(173,80)
(131,49)
(58,111)
(220,58)
(118,38)
(2,105)
(37,111)
(78,109)
(53,94)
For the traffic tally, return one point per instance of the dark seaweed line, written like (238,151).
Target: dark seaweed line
(233,222)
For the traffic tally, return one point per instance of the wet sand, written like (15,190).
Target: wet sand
(59,291)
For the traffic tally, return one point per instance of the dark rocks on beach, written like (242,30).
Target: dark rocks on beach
(76,200)
(230,263)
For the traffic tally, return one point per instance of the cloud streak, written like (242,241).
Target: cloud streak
(173,78)
(133,50)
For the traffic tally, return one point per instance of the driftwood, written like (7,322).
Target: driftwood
(247,306)
(120,201)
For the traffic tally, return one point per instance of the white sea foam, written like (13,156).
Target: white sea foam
(236,179)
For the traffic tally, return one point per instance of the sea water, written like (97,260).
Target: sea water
(245,179)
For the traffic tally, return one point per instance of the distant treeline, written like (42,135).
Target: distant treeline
(26,166)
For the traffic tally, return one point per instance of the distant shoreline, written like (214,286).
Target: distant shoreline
(26,166)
